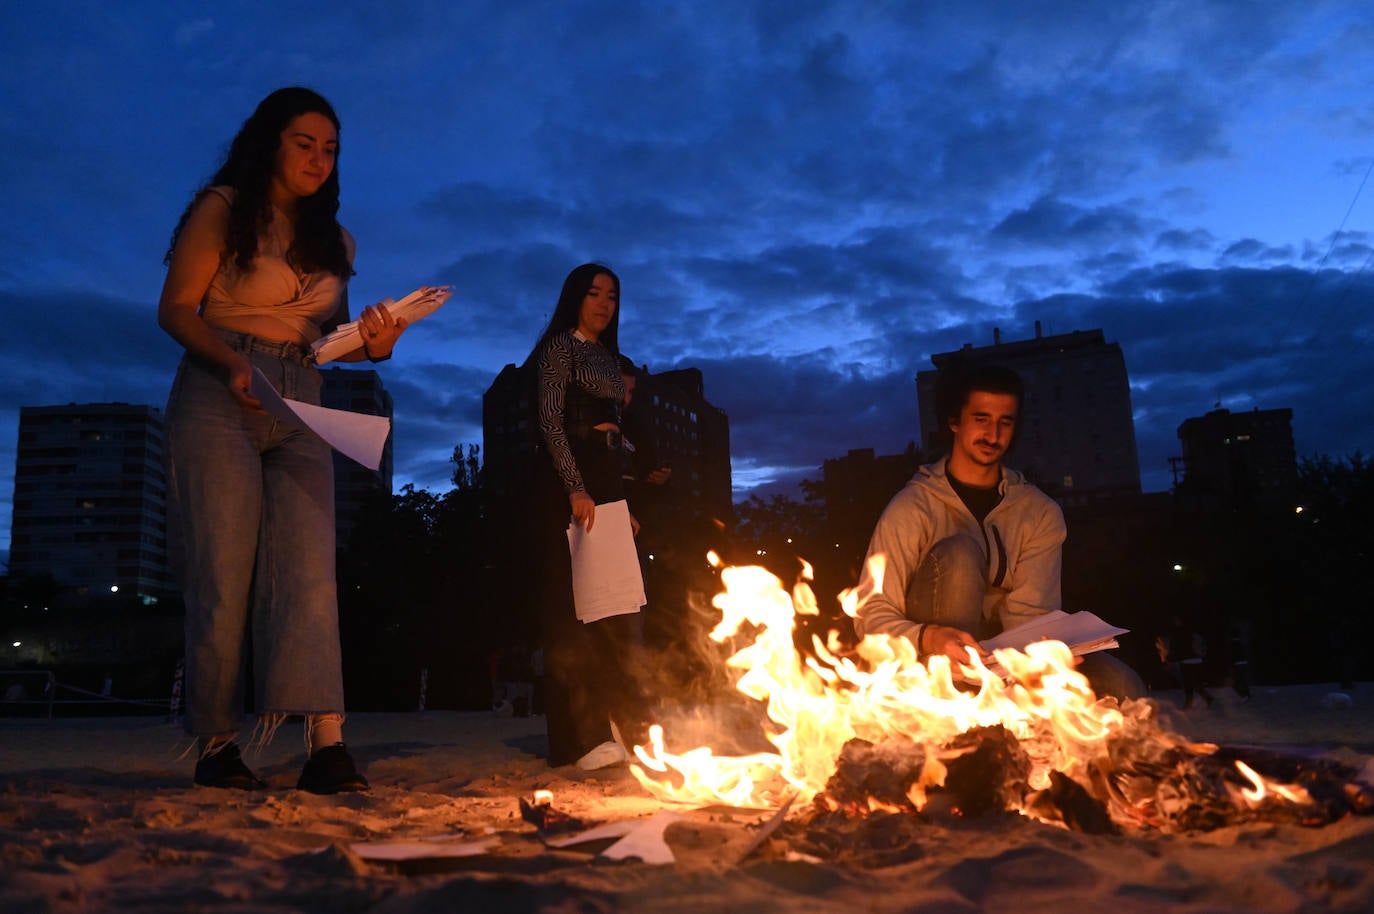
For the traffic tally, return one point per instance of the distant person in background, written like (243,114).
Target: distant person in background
(512,681)
(1345,641)
(1240,659)
(1188,649)
(646,473)
(642,471)
(972,548)
(258,270)
(590,696)
(1167,675)
(537,678)
(643,468)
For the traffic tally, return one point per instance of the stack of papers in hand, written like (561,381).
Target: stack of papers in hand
(423,302)
(1082,632)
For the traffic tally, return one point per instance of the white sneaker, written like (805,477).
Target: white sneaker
(603,756)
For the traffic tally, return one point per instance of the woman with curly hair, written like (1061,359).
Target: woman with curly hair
(257,271)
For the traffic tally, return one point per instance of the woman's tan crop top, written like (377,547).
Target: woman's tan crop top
(271,287)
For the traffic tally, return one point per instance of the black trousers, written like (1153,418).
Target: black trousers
(591,669)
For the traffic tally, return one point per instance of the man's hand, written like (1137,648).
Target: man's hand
(948,641)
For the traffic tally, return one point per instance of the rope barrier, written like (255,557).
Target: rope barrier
(51,688)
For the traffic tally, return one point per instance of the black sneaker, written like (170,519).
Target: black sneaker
(331,770)
(225,768)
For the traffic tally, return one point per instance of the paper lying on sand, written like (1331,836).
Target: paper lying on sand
(423,302)
(605,565)
(639,838)
(436,848)
(644,839)
(355,435)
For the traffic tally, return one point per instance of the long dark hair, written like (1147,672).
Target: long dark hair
(569,308)
(318,243)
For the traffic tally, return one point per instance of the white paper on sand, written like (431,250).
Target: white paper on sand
(423,302)
(605,566)
(639,838)
(355,435)
(436,848)
(1083,633)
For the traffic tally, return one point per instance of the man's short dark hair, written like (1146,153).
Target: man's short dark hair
(627,365)
(958,379)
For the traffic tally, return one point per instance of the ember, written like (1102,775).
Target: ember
(539,812)
(880,732)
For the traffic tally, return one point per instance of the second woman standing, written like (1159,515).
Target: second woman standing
(579,396)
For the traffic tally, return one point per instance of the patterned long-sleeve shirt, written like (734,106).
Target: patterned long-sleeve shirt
(579,386)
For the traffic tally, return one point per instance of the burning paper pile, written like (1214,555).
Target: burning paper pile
(880,731)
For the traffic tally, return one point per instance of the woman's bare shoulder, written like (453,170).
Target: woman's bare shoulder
(217,195)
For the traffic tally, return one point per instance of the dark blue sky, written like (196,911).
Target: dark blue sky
(803,199)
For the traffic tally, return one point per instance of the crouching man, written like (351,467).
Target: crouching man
(971,548)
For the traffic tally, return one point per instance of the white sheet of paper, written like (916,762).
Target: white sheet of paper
(1071,628)
(355,435)
(641,838)
(605,566)
(1083,632)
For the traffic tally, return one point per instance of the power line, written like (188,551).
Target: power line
(1335,238)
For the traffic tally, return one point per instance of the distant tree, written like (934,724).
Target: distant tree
(385,595)
(778,522)
(1334,540)
(467,469)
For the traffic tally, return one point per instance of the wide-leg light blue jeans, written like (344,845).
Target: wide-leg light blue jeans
(251,532)
(948,589)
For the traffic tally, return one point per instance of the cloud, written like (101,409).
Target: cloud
(805,200)
(193,33)
(1053,223)
(1251,250)
(1185,241)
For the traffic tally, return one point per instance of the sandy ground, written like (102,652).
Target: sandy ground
(99,815)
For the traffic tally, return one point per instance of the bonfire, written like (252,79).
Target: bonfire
(874,730)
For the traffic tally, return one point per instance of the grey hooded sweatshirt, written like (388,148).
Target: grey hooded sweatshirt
(1022,541)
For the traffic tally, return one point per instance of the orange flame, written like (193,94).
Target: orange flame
(817,704)
(1261,787)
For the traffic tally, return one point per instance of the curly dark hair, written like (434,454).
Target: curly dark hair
(569,308)
(318,244)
